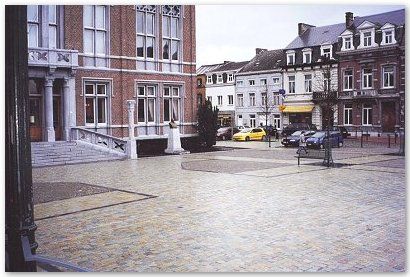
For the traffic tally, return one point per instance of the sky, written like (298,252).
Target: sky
(233,32)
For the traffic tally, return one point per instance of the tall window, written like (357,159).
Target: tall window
(307,57)
(172,102)
(33,25)
(326,81)
(146,103)
(348,79)
(170,32)
(291,84)
(276,99)
(95,30)
(367,78)
(276,121)
(96,101)
(209,79)
(367,114)
(263,99)
(252,99)
(367,38)
(230,77)
(145,32)
(219,100)
(348,43)
(388,77)
(252,120)
(290,58)
(348,114)
(230,99)
(308,83)
(240,100)
(52,26)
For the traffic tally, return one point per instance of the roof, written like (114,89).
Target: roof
(229,66)
(265,60)
(329,34)
(206,68)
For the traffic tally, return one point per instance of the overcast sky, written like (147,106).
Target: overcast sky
(232,32)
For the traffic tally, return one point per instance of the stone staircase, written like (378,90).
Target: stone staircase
(73,152)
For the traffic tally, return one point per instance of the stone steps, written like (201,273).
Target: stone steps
(62,152)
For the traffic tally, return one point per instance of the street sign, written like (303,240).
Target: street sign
(282,91)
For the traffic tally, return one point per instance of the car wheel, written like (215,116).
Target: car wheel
(263,138)
(247,139)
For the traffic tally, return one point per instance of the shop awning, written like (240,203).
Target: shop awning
(298,109)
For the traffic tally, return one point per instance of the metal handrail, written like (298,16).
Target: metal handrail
(49,263)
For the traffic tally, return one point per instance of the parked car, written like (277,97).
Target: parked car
(250,134)
(343,131)
(293,139)
(293,127)
(225,133)
(319,139)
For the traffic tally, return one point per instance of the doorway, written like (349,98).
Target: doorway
(388,116)
(35,108)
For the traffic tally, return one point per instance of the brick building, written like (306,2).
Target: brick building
(85,62)
(371,73)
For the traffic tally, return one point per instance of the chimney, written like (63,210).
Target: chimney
(349,20)
(302,27)
(260,50)
(225,62)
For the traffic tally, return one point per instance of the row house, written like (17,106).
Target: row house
(220,90)
(371,73)
(310,72)
(85,62)
(201,81)
(257,90)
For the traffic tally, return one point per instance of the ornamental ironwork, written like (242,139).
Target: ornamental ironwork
(172,10)
(147,8)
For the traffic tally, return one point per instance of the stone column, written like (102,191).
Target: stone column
(132,143)
(66,111)
(48,91)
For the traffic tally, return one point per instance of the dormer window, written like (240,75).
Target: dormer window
(307,55)
(347,43)
(347,40)
(209,79)
(388,37)
(388,34)
(367,39)
(290,57)
(230,77)
(326,51)
(219,80)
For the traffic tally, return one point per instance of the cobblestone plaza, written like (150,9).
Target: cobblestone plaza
(246,209)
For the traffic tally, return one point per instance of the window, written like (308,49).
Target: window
(171,33)
(291,84)
(251,82)
(33,24)
(252,99)
(326,81)
(367,39)
(146,95)
(96,101)
(252,120)
(307,56)
(348,79)
(263,95)
(367,78)
(388,77)
(276,121)
(219,79)
(230,99)
(239,83)
(276,99)
(308,83)
(388,37)
(367,114)
(172,103)
(199,82)
(209,79)
(145,32)
(240,100)
(219,100)
(263,82)
(275,80)
(199,99)
(348,114)
(230,77)
(290,58)
(52,27)
(209,99)
(95,30)
(326,53)
(347,43)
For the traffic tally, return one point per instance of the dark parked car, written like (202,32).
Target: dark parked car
(293,127)
(293,139)
(226,132)
(319,139)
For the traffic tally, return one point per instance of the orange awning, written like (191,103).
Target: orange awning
(298,109)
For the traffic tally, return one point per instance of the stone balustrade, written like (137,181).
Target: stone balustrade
(53,58)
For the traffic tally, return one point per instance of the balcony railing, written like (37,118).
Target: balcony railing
(53,58)
(324,96)
(367,93)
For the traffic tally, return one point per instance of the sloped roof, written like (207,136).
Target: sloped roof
(266,60)
(206,68)
(229,66)
(329,34)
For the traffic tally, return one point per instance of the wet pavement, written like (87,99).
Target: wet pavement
(246,210)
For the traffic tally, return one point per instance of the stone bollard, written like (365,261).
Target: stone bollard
(131,143)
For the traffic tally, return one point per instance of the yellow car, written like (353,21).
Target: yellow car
(250,134)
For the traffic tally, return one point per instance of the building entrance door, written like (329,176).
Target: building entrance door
(35,109)
(388,116)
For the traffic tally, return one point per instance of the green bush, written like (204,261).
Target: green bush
(207,124)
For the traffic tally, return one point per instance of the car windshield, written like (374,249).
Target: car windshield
(223,129)
(318,135)
(297,133)
(246,130)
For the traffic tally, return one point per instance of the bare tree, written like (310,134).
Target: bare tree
(267,104)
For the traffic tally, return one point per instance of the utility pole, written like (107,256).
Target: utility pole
(19,191)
